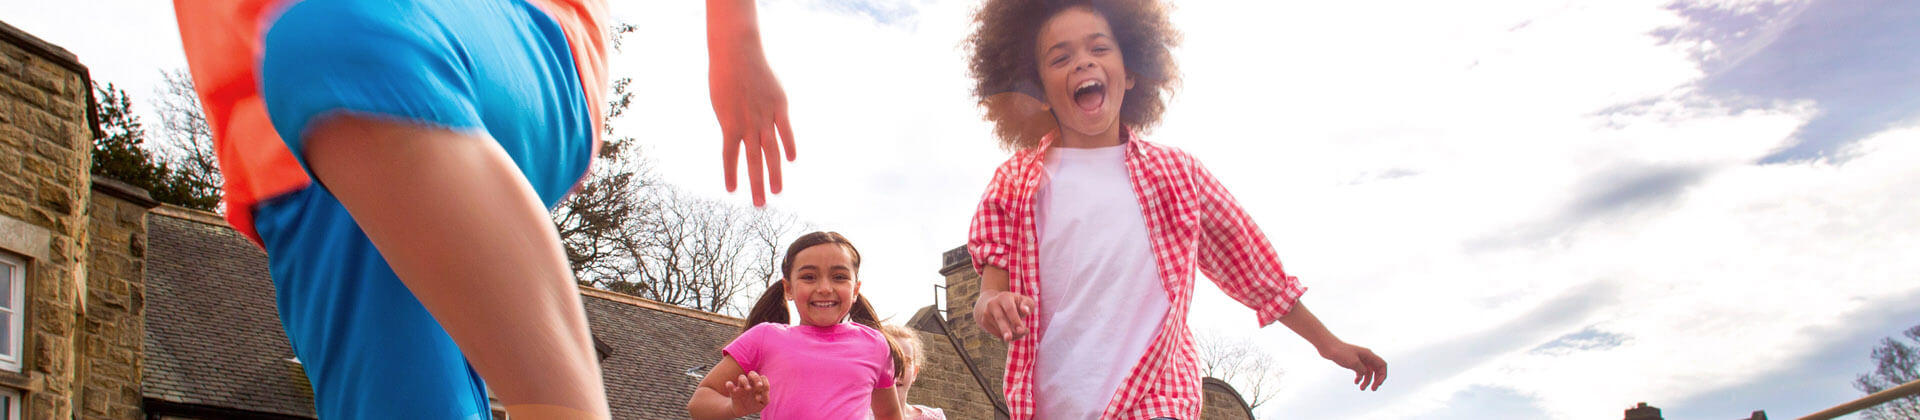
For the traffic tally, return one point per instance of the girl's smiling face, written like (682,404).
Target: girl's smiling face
(1082,72)
(823,284)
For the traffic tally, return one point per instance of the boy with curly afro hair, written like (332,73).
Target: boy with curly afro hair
(1088,237)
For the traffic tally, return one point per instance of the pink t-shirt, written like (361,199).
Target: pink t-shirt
(816,372)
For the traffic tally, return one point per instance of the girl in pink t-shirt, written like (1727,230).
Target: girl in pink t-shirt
(830,366)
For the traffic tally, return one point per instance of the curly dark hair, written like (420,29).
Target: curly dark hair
(1004,66)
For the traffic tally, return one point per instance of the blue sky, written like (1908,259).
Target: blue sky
(1533,209)
(1853,57)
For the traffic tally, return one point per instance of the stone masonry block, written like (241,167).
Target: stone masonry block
(47,76)
(35,166)
(56,197)
(13,207)
(42,217)
(12,61)
(11,185)
(50,357)
(93,401)
(13,138)
(41,123)
(27,93)
(51,320)
(52,150)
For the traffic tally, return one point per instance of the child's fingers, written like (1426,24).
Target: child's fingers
(730,157)
(1019,307)
(1026,305)
(1379,373)
(1006,331)
(1000,318)
(786,130)
(770,151)
(754,169)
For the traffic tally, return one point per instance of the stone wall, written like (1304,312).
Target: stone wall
(1221,402)
(45,144)
(110,340)
(989,354)
(945,381)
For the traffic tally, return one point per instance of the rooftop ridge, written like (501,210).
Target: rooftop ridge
(660,306)
(195,215)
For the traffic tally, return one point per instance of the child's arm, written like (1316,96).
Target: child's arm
(1369,370)
(747,98)
(990,244)
(728,392)
(887,404)
(1238,257)
(999,311)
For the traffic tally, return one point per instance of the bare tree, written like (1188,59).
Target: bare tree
(703,253)
(1250,369)
(770,231)
(599,220)
(187,141)
(1895,363)
(627,231)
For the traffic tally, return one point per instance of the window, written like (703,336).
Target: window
(9,404)
(13,278)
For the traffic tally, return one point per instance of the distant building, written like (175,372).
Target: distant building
(1648,412)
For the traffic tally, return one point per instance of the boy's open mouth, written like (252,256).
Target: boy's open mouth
(1090,95)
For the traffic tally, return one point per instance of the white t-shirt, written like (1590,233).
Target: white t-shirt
(1101,298)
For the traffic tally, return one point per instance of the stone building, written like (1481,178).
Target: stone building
(114,306)
(71,248)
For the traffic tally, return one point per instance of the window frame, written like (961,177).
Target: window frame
(11,357)
(11,401)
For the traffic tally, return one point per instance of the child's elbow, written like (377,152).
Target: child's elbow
(694,410)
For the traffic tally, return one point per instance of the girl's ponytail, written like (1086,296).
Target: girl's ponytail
(864,314)
(772,307)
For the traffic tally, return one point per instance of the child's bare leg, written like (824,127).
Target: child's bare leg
(466,233)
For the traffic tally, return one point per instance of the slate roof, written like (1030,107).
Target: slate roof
(214,338)
(213,335)
(654,347)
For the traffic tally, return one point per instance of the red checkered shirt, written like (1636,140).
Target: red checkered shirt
(1193,223)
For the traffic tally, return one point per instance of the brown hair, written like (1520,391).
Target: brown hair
(772,306)
(1003,62)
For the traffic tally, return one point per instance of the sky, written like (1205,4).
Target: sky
(1531,209)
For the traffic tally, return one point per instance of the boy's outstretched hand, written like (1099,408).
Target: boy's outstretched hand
(747,98)
(1369,370)
(749,394)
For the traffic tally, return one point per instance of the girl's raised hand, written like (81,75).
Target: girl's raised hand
(749,394)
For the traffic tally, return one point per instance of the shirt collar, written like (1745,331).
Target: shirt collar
(1127,138)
